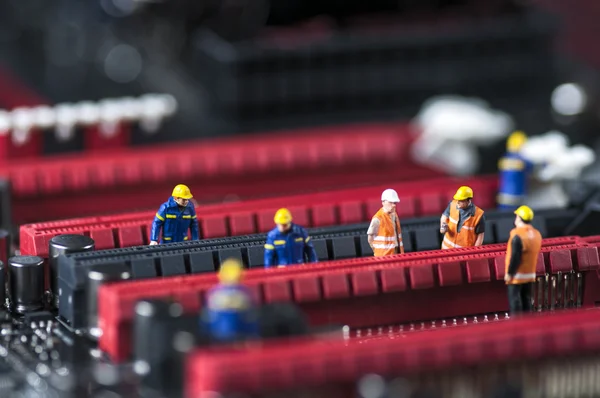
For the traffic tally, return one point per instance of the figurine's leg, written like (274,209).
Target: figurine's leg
(526,292)
(514,299)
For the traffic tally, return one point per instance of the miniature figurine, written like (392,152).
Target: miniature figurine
(230,313)
(384,233)
(524,245)
(175,217)
(514,172)
(462,222)
(288,243)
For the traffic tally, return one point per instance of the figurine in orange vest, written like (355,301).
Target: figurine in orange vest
(522,252)
(384,233)
(462,222)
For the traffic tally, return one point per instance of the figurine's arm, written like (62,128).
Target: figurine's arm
(480,231)
(401,242)
(444,219)
(515,258)
(372,231)
(159,220)
(194,225)
(269,252)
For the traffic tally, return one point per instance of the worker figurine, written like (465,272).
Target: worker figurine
(384,233)
(524,245)
(175,217)
(514,172)
(462,223)
(288,243)
(230,313)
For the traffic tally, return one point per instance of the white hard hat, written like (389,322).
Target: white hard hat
(390,195)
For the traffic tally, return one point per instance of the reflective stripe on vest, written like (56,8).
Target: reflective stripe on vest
(521,276)
(450,245)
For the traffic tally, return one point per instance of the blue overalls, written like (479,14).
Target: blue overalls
(514,172)
(289,248)
(175,223)
(230,314)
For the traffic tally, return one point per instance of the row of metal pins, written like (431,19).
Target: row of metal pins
(551,292)
(412,327)
(558,291)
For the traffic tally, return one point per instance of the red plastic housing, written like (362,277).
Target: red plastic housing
(216,171)
(423,198)
(403,288)
(323,364)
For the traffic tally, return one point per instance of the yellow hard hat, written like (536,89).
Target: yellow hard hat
(231,271)
(515,141)
(182,191)
(283,217)
(525,213)
(463,193)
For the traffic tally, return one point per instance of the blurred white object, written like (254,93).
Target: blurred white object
(131,109)
(542,148)
(550,195)
(557,162)
(88,113)
(66,119)
(569,99)
(44,117)
(154,109)
(22,121)
(149,110)
(560,162)
(170,104)
(5,122)
(450,128)
(110,117)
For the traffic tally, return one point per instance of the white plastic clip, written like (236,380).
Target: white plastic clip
(22,121)
(66,119)
(110,118)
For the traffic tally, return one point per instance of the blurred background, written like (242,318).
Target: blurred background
(240,66)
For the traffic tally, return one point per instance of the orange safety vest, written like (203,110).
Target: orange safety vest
(386,242)
(532,244)
(467,236)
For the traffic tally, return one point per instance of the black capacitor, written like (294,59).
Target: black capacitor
(155,324)
(182,344)
(65,244)
(2,284)
(95,277)
(26,283)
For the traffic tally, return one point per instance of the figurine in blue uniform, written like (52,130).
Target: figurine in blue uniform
(175,218)
(230,313)
(514,173)
(288,243)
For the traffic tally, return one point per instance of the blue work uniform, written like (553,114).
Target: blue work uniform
(175,222)
(514,172)
(288,248)
(230,313)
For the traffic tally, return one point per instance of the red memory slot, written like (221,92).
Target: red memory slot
(320,364)
(423,198)
(258,166)
(404,288)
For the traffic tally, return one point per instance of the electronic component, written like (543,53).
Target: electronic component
(96,276)
(64,244)
(26,282)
